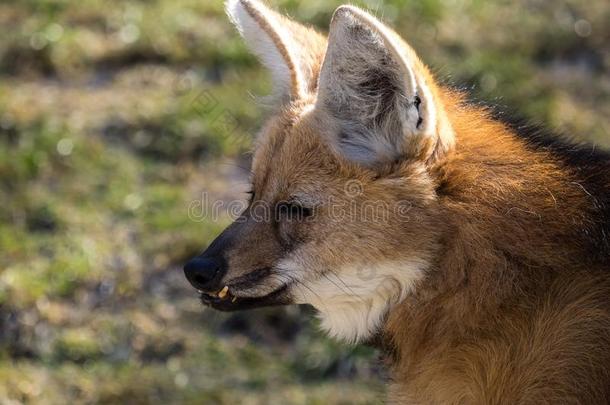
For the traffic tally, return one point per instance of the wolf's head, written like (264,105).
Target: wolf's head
(344,212)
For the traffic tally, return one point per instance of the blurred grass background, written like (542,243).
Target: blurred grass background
(116,114)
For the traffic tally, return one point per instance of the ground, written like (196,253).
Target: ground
(119,120)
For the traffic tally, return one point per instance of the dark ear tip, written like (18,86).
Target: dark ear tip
(343,12)
(348,17)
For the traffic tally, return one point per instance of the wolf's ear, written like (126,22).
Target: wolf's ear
(383,99)
(292,52)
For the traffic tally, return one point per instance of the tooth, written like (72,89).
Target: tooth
(233,299)
(223,293)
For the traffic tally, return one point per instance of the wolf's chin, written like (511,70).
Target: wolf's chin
(279,296)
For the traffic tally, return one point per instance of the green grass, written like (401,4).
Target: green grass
(116,115)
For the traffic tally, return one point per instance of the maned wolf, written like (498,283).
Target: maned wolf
(476,255)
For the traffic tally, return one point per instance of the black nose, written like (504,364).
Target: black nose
(203,273)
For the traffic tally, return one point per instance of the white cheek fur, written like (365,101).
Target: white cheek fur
(352,301)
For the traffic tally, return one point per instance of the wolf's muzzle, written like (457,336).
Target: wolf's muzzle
(204,273)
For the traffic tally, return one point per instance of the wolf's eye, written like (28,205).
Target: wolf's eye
(292,211)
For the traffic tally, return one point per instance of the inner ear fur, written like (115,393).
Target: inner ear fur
(292,52)
(384,99)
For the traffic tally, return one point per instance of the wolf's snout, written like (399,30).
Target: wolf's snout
(204,273)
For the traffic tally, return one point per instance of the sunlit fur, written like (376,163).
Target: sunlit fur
(491,282)
(352,301)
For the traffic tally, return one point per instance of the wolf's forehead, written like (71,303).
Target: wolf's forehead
(291,147)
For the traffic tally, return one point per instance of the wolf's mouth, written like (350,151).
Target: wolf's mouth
(225,301)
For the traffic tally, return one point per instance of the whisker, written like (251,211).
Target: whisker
(294,280)
(353,293)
